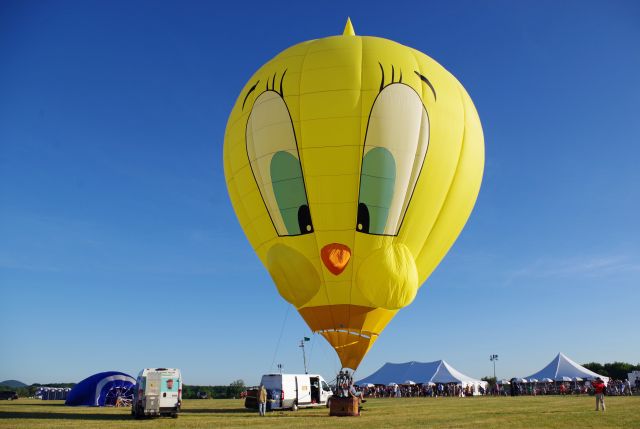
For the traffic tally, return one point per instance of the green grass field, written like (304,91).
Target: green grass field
(521,412)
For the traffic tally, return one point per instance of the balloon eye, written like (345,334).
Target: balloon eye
(363,218)
(304,220)
(275,163)
(377,183)
(395,148)
(290,194)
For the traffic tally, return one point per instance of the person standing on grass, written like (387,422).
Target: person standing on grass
(262,400)
(599,388)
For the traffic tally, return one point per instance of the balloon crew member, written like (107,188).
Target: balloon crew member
(262,400)
(343,383)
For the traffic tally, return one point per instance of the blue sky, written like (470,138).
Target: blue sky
(120,250)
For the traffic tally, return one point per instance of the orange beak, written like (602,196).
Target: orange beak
(335,257)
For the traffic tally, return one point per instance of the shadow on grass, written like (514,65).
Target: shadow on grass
(217,411)
(63,416)
(243,412)
(37,405)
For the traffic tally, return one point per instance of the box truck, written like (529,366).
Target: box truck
(291,391)
(158,393)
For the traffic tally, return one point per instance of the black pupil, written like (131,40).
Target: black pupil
(304,220)
(363,218)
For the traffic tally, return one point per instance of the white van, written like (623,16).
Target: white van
(158,393)
(292,391)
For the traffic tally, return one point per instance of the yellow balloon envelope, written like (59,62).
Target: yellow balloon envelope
(352,163)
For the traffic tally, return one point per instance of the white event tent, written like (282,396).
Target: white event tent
(422,373)
(562,368)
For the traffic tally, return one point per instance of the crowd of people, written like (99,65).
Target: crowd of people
(614,388)
(623,388)
(418,390)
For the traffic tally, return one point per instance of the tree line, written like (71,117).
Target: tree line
(232,391)
(615,370)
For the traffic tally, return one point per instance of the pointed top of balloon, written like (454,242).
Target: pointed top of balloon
(348,28)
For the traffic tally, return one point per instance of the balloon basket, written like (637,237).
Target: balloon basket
(344,407)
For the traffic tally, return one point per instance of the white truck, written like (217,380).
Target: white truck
(158,393)
(291,391)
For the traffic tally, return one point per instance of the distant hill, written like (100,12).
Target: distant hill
(13,383)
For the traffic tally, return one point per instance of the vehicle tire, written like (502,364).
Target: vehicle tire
(139,413)
(329,403)
(294,407)
(174,415)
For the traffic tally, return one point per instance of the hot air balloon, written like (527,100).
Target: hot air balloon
(352,163)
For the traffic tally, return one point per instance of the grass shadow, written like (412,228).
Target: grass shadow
(217,411)
(13,404)
(62,416)
(249,413)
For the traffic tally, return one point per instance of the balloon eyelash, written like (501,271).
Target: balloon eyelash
(429,84)
(281,79)
(273,87)
(393,76)
(249,92)
(273,83)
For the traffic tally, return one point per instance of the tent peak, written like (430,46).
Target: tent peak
(563,366)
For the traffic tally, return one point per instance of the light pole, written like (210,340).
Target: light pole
(494,358)
(304,357)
